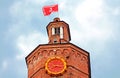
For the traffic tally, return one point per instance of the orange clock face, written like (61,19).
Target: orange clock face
(55,65)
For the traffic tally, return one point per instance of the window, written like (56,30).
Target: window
(57,30)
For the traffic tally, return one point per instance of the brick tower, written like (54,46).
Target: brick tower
(59,58)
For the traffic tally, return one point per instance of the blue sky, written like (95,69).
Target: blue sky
(94,25)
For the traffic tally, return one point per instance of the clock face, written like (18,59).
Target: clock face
(55,65)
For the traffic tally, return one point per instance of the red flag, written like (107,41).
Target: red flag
(47,10)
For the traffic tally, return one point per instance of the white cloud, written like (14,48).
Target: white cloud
(26,9)
(89,11)
(4,64)
(36,2)
(26,43)
(62,5)
(88,21)
(15,8)
(116,11)
(92,22)
(23,12)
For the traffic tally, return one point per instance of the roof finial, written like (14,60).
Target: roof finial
(56,19)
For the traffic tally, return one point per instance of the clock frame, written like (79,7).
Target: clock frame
(55,66)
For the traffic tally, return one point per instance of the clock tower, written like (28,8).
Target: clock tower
(59,58)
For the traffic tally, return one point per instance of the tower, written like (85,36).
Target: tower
(58,32)
(59,58)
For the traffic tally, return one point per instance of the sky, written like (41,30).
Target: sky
(94,26)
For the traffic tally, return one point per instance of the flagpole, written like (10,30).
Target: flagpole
(58,9)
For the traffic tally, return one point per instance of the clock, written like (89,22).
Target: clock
(55,66)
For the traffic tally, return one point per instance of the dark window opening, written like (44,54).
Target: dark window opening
(55,41)
(57,30)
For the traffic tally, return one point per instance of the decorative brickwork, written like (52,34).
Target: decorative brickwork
(77,60)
